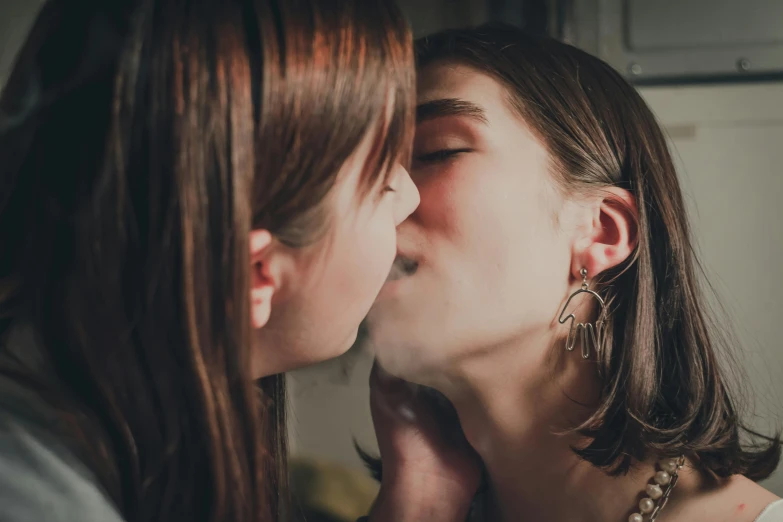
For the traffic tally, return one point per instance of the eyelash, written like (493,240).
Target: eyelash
(439,155)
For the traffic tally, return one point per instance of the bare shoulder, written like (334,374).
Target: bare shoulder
(747,498)
(736,499)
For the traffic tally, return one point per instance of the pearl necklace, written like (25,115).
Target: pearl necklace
(658,490)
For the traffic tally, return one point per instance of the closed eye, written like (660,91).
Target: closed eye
(439,155)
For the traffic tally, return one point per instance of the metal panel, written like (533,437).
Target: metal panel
(674,40)
(674,24)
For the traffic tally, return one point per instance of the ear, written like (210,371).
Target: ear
(611,237)
(262,280)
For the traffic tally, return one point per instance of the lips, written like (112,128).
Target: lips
(402,267)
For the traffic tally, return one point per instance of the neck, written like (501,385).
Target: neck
(517,404)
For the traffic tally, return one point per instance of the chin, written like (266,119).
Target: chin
(335,351)
(350,342)
(401,357)
(304,357)
(400,336)
(410,366)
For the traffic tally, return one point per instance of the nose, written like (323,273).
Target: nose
(408,195)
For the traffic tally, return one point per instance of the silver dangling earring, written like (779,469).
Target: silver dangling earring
(590,332)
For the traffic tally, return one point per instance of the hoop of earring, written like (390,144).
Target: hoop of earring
(589,331)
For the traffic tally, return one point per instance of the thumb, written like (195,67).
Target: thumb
(391,398)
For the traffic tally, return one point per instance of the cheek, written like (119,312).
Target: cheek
(495,241)
(482,215)
(457,206)
(366,254)
(533,267)
(339,291)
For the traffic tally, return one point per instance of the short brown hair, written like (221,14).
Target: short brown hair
(663,390)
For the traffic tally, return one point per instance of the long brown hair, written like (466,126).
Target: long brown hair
(140,142)
(664,391)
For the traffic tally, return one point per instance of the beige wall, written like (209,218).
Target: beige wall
(728,143)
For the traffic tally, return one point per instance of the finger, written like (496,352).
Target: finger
(392,397)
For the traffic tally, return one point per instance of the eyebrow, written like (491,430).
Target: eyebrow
(450,107)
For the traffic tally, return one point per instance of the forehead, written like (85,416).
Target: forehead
(500,133)
(449,80)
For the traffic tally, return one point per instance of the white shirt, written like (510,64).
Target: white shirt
(772,513)
(41,477)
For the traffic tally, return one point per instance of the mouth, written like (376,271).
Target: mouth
(402,267)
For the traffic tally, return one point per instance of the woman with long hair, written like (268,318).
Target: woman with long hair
(548,287)
(195,197)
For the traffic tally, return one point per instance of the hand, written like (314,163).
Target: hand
(430,472)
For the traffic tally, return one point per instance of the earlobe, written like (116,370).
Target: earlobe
(262,284)
(261,305)
(614,233)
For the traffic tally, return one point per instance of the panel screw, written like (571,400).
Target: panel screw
(635,69)
(743,64)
